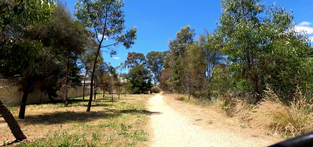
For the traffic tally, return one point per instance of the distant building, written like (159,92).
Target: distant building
(87,80)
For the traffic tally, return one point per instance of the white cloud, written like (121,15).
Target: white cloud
(116,58)
(305,23)
(304,27)
(100,36)
(311,38)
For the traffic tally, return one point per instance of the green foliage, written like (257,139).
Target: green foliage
(263,47)
(106,21)
(177,52)
(139,79)
(155,62)
(18,51)
(134,59)
(165,83)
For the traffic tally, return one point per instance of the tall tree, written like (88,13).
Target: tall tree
(17,54)
(263,47)
(105,19)
(211,45)
(62,41)
(195,68)
(139,78)
(122,77)
(178,50)
(134,59)
(155,62)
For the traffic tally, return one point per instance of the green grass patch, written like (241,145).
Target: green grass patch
(119,123)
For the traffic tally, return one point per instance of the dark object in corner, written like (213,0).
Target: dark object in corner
(300,141)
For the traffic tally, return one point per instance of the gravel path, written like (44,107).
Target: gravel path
(171,129)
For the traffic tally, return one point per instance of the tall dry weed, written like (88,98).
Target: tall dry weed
(294,118)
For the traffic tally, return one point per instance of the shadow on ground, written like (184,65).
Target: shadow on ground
(140,111)
(66,117)
(132,111)
(78,117)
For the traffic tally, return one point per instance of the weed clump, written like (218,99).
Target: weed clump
(293,118)
(155,89)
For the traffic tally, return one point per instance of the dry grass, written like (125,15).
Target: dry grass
(289,120)
(122,123)
(192,100)
(294,119)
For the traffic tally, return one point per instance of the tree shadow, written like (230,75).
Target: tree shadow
(141,111)
(133,111)
(66,117)
(10,143)
(78,117)
(98,105)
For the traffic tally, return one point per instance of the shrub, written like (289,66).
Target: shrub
(155,89)
(183,98)
(228,104)
(200,95)
(294,118)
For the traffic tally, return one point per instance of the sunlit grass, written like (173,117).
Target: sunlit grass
(121,123)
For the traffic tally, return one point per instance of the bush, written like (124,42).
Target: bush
(183,98)
(200,95)
(155,89)
(294,118)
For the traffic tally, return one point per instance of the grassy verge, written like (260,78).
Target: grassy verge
(121,123)
(288,120)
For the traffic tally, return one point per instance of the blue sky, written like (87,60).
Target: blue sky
(157,21)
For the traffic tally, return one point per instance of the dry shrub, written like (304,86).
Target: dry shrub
(228,104)
(155,89)
(183,98)
(243,110)
(295,119)
(235,107)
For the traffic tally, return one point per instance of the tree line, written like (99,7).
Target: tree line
(43,46)
(254,47)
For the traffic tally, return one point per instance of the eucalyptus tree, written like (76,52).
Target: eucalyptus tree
(85,59)
(155,62)
(211,46)
(123,78)
(65,40)
(105,19)
(263,47)
(139,78)
(134,59)
(17,52)
(177,51)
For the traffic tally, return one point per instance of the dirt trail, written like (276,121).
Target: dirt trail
(174,129)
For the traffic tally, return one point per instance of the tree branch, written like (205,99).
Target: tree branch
(109,45)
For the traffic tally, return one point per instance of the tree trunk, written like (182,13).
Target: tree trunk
(21,115)
(189,87)
(66,83)
(95,94)
(257,89)
(12,123)
(125,90)
(119,93)
(50,97)
(84,85)
(112,96)
(92,76)
(66,99)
